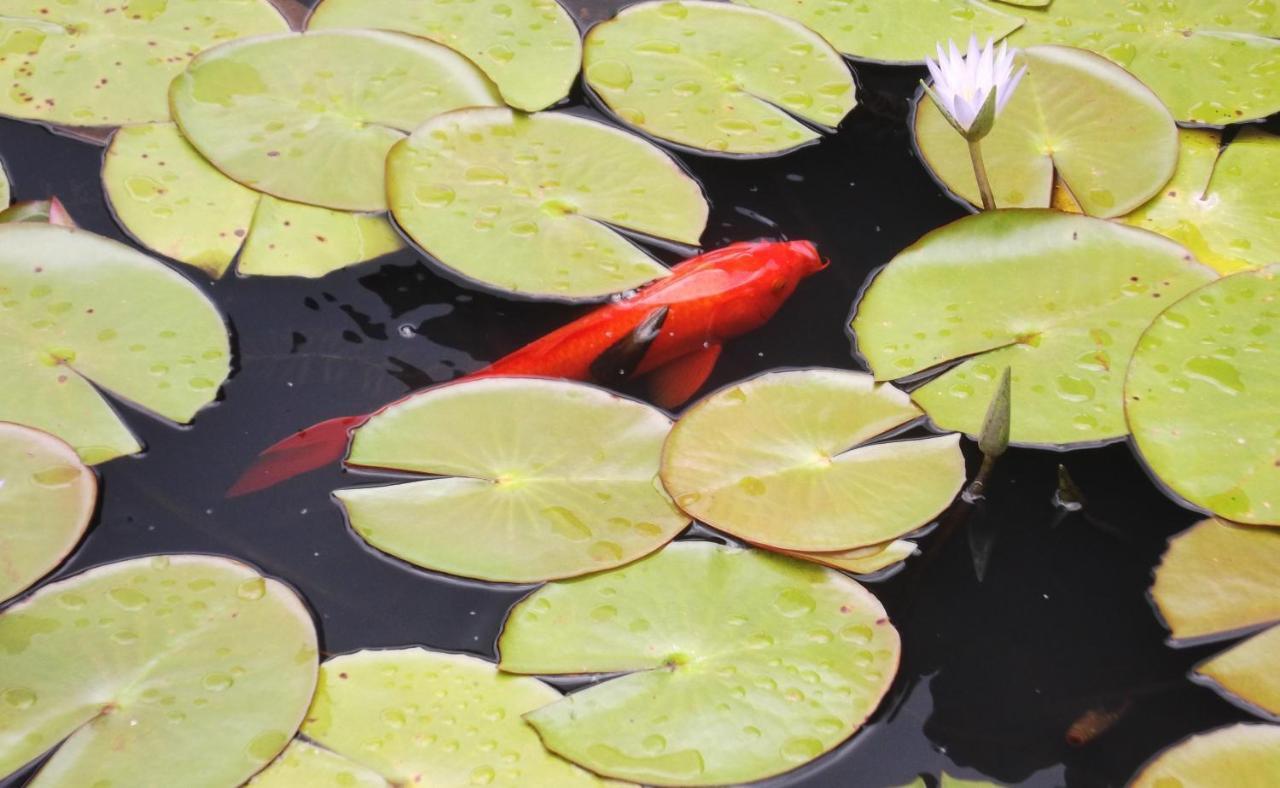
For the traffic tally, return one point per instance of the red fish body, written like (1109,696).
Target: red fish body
(683,319)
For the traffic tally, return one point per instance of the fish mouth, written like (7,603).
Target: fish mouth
(806,258)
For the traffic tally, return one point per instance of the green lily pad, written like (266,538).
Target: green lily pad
(1235,755)
(527,203)
(154,667)
(175,203)
(741,664)
(717,77)
(89,63)
(304,765)
(1060,299)
(781,460)
(6,195)
(77,311)
(419,717)
(1075,116)
(47,497)
(1246,673)
(309,117)
(529,48)
(1203,393)
(521,463)
(862,560)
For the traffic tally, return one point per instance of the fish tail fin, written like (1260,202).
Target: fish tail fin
(674,383)
(303,451)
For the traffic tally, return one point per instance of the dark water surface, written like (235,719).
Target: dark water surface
(993,672)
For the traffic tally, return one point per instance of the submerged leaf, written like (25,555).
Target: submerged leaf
(1237,755)
(740,664)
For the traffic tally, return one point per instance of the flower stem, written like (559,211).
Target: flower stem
(980,174)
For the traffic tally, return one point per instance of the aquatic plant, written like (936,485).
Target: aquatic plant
(1231,755)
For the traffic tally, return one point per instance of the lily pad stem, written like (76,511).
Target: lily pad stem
(980,174)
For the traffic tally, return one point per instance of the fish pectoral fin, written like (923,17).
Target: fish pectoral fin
(672,384)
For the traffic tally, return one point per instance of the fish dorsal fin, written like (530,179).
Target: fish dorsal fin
(672,384)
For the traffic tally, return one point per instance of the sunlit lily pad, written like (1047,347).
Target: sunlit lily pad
(79,310)
(90,63)
(522,465)
(741,664)
(780,460)
(863,560)
(304,765)
(1238,755)
(47,497)
(5,189)
(1203,397)
(717,77)
(527,203)
(529,48)
(175,203)
(1246,673)
(154,667)
(309,117)
(1075,115)
(1060,299)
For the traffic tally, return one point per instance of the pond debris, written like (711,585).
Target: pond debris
(1068,496)
(994,438)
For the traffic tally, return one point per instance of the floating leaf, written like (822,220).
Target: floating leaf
(47,497)
(529,48)
(154,667)
(309,117)
(304,765)
(717,77)
(522,465)
(5,193)
(780,460)
(1246,673)
(80,310)
(1076,116)
(1236,755)
(1059,299)
(1202,397)
(526,203)
(175,203)
(741,664)
(89,63)
(863,560)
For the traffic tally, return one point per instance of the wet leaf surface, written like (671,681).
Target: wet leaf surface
(863,560)
(1235,755)
(304,765)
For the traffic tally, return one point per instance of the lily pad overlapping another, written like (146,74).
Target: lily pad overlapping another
(6,193)
(153,667)
(529,48)
(417,717)
(782,460)
(739,664)
(1237,755)
(1218,580)
(1077,118)
(1059,299)
(47,497)
(525,491)
(81,312)
(174,202)
(528,204)
(1203,397)
(716,77)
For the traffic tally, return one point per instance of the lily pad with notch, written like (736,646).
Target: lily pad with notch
(529,48)
(783,460)
(1239,754)
(716,77)
(519,461)
(1077,118)
(310,117)
(527,204)
(1059,299)
(80,312)
(47,497)
(739,664)
(152,667)
(1203,391)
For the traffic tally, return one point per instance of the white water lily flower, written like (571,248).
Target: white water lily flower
(963,84)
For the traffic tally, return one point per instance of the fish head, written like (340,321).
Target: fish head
(783,265)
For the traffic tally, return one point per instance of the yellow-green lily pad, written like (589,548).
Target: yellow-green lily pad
(1246,674)
(1237,755)
(1105,136)
(527,204)
(309,117)
(6,195)
(867,560)
(1059,299)
(47,497)
(520,462)
(717,77)
(740,664)
(529,48)
(1203,394)
(304,765)
(784,460)
(91,63)
(174,202)
(80,312)
(154,667)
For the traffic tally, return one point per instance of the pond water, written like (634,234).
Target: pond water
(994,672)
